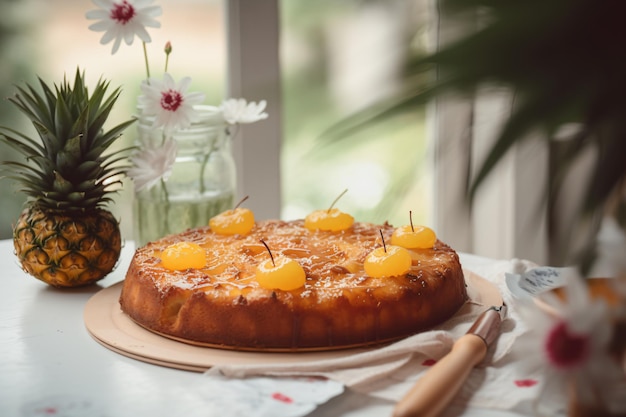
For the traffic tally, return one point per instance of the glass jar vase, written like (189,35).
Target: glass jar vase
(202,182)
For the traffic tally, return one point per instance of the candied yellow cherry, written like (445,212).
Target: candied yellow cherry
(387,261)
(332,220)
(418,237)
(238,221)
(183,255)
(281,273)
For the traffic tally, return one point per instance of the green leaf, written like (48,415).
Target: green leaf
(32,105)
(389,108)
(86,185)
(76,196)
(60,184)
(63,120)
(101,111)
(21,143)
(108,138)
(609,173)
(70,125)
(88,169)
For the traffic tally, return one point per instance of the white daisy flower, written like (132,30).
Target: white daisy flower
(151,164)
(239,111)
(170,104)
(123,19)
(568,342)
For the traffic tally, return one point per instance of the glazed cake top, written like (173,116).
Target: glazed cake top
(332,261)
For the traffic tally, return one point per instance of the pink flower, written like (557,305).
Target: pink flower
(170,104)
(123,19)
(565,349)
(567,341)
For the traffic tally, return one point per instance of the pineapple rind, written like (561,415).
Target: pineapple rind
(67,250)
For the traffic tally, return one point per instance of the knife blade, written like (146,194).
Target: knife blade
(434,391)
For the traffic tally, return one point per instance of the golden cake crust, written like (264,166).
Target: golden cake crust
(339,306)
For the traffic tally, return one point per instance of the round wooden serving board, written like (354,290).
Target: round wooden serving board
(106,322)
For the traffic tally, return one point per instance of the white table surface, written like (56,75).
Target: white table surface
(51,366)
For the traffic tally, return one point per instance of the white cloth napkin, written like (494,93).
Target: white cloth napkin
(390,371)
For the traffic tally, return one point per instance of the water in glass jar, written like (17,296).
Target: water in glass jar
(156,218)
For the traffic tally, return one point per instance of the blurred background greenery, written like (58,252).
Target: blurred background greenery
(336,58)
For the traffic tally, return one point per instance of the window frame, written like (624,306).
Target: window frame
(253,73)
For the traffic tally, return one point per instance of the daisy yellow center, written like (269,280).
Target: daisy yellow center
(566,350)
(122,12)
(171,100)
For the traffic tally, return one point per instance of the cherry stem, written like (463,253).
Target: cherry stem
(411,220)
(268,249)
(383,239)
(337,199)
(239,203)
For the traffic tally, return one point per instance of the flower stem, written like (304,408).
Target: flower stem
(203,165)
(231,130)
(218,143)
(145,57)
(167,206)
(168,51)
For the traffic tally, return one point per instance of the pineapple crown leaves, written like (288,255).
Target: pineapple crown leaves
(67,167)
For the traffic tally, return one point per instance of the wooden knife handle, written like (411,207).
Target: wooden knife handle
(434,390)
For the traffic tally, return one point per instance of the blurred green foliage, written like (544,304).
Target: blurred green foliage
(16,29)
(393,150)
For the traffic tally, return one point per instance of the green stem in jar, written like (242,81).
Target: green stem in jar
(167,206)
(203,165)
(145,57)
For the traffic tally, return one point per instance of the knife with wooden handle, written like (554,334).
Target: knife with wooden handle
(434,391)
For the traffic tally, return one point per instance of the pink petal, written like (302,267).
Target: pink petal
(282,398)
(522,383)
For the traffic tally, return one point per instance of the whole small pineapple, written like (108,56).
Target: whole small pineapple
(63,236)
